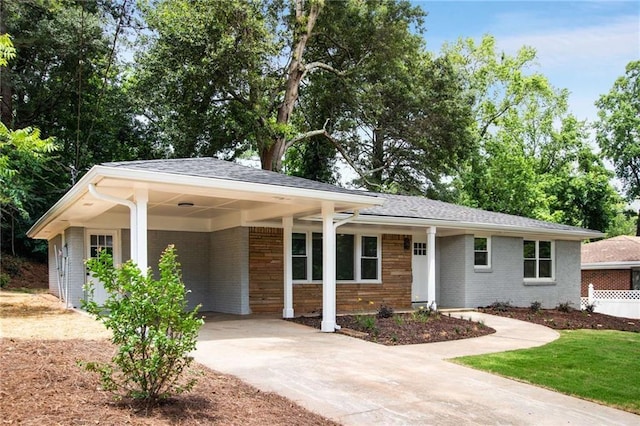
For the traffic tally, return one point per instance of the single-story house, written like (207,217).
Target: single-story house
(254,241)
(611,264)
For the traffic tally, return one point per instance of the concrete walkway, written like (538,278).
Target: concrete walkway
(359,383)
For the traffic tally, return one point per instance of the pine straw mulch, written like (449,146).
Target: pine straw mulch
(404,328)
(41,383)
(571,319)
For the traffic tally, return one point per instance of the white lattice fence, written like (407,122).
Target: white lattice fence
(621,303)
(617,294)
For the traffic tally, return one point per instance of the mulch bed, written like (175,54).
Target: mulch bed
(24,274)
(574,319)
(40,384)
(404,328)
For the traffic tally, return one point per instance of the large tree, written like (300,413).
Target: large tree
(225,77)
(65,80)
(532,157)
(618,128)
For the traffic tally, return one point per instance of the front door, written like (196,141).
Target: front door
(97,240)
(419,266)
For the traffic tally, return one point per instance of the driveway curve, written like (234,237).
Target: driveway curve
(355,382)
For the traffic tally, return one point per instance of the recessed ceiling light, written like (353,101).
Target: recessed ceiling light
(185,204)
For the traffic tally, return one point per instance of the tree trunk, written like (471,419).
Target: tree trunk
(271,157)
(638,225)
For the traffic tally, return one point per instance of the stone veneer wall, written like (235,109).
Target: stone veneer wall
(266,279)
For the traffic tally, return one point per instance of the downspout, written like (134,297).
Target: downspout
(132,216)
(351,218)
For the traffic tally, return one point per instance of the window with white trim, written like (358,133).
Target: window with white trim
(538,259)
(299,255)
(482,252)
(357,257)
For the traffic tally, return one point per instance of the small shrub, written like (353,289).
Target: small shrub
(366,322)
(399,320)
(151,327)
(590,307)
(385,311)
(535,306)
(4,280)
(564,307)
(500,306)
(12,265)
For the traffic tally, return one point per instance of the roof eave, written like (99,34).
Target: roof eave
(98,172)
(578,234)
(611,265)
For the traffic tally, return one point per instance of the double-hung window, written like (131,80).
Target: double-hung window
(357,257)
(538,259)
(482,252)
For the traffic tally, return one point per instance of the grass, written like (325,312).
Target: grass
(598,365)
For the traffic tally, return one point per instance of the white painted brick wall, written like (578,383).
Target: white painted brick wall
(230,271)
(453,259)
(193,254)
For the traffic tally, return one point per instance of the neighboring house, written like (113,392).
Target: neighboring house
(253,241)
(611,264)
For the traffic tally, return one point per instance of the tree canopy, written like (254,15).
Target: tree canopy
(618,128)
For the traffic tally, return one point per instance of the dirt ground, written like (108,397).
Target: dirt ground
(574,319)
(404,328)
(41,384)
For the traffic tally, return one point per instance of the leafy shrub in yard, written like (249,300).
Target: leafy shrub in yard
(151,327)
(590,307)
(500,306)
(564,307)
(385,311)
(535,306)
(4,280)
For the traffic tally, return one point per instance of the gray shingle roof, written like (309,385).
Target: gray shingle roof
(220,169)
(424,208)
(400,206)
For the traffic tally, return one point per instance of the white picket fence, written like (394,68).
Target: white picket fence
(619,303)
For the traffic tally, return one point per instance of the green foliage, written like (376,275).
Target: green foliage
(623,223)
(150,325)
(4,279)
(564,307)
(618,128)
(598,365)
(500,306)
(366,322)
(7,51)
(535,306)
(532,158)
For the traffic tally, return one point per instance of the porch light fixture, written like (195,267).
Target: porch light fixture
(407,243)
(185,204)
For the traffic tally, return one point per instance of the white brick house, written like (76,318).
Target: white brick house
(256,241)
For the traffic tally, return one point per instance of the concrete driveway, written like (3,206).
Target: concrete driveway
(359,383)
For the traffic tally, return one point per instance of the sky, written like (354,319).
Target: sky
(582,46)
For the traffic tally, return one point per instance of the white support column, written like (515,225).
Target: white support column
(141,199)
(431,266)
(287,227)
(328,324)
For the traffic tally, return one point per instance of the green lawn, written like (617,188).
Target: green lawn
(599,365)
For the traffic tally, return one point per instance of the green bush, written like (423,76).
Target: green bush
(564,307)
(535,306)
(4,280)
(151,327)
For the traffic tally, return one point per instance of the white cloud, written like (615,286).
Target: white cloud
(606,45)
